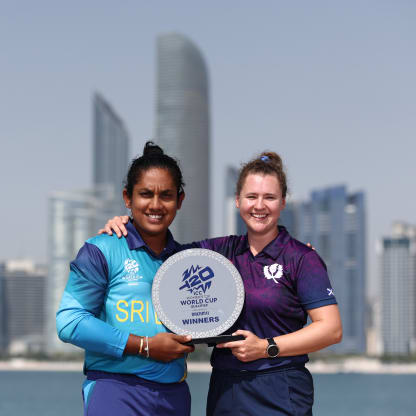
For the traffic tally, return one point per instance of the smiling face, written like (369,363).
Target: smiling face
(153,202)
(260,203)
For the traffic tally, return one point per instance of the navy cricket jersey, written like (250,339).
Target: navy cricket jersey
(281,283)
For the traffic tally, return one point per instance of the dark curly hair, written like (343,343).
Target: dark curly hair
(153,157)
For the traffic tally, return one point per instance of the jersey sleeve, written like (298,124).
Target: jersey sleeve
(313,286)
(77,319)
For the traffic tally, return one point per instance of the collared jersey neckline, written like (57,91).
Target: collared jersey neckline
(135,242)
(272,249)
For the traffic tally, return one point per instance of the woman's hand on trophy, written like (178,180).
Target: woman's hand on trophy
(166,346)
(250,349)
(116,224)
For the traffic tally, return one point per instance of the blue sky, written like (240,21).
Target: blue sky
(329,85)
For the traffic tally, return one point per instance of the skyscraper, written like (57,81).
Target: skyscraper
(334,222)
(289,218)
(233,223)
(111,149)
(183,128)
(22,298)
(398,267)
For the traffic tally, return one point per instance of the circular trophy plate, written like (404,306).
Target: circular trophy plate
(198,292)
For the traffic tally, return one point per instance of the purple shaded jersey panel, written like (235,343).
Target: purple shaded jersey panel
(281,284)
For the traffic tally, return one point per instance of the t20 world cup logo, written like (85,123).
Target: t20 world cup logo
(197,280)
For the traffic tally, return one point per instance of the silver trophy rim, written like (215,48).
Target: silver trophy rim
(189,253)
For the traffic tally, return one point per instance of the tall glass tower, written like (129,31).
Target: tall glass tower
(183,128)
(111,149)
(334,222)
(233,223)
(398,284)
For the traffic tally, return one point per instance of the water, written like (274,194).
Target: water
(46,393)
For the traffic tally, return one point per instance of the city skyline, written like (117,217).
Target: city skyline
(336,103)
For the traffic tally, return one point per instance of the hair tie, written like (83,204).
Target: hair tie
(265,158)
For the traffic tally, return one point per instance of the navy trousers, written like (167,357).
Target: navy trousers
(287,391)
(107,394)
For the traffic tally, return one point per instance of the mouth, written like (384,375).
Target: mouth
(259,217)
(155,218)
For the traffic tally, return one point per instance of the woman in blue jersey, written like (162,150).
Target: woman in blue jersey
(285,282)
(133,366)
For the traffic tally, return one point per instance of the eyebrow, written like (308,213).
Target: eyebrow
(257,193)
(163,191)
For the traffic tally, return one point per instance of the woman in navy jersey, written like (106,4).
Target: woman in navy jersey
(133,365)
(285,282)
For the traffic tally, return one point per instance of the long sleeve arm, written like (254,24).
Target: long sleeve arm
(82,302)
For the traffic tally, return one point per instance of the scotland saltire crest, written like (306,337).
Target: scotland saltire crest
(274,271)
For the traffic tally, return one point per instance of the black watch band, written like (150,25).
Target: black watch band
(272,349)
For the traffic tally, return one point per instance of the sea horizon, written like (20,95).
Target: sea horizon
(363,365)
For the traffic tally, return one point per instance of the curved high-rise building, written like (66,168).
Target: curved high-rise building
(183,128)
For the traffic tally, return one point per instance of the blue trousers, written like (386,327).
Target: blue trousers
(107,394)
(287,391)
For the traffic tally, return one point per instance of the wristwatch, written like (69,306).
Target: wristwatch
(272,349)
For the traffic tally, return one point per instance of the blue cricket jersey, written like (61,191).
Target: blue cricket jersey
(107,297)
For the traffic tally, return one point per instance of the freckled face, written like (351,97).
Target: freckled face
(260,203)
(154,202)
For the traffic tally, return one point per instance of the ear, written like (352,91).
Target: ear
(237,201)
(181,197)
(283,203)
(127,199)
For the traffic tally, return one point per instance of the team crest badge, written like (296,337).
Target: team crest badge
(274,271)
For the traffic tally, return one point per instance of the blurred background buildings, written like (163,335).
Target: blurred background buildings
(233,224)
(110,152)
(332,219)
(398,290)
(334,222)
(74,216)
(22,299)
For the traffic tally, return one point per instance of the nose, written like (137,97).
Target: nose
(259,204)
(155,202)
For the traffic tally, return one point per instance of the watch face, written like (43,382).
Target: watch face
(272,351)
